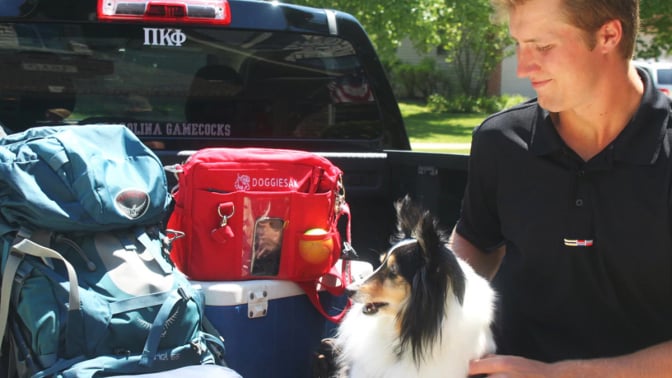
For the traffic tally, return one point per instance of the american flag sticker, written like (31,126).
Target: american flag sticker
(578,242)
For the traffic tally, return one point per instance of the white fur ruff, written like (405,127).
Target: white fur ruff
(369,343)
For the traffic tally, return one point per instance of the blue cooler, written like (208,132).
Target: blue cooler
(270,327)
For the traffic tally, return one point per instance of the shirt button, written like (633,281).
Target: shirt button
(578,202)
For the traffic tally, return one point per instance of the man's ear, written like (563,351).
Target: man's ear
(609,36)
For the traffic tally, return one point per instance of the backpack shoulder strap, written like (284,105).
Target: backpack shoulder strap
(17,252)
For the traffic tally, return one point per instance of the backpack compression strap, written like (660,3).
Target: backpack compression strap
(182,294)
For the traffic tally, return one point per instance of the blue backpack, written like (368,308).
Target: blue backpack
(87,287)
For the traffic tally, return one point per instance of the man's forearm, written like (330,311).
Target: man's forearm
(485,264)
(652,362)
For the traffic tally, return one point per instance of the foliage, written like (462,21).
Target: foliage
(476,45)
(464,30)
(431,23)
(418,80)
(387,23)
(465,104)
(655,21)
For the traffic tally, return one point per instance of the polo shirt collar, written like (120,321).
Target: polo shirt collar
(641,140)
(544,138)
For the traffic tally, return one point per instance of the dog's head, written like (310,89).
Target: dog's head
(414,280)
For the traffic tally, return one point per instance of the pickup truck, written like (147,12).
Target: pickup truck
(184,75)
(260,74)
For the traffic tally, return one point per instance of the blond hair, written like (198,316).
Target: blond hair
(589,16)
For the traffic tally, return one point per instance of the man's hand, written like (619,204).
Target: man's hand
(497,366)
(651,362)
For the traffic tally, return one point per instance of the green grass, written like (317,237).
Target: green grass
(423,126)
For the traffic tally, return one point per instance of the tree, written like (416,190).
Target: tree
(655,22)
(472,42)
(388,22)
(463,29)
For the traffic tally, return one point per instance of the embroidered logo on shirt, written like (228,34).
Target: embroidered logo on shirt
(578,242)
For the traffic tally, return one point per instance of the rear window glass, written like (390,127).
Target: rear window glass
(186,87)
(16,8)
(665,76)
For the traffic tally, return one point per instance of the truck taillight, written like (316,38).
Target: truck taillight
(184,11)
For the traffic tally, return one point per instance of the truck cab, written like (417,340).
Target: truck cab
(183,75)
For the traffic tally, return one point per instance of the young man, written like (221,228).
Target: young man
(569,198)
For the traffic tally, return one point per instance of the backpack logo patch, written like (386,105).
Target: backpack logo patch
(132,203)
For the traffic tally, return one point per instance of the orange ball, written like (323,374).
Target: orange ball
(316,246)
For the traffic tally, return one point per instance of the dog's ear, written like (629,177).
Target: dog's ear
(418,223)
(429,237)
(413,221)
(433,242)
(409,214)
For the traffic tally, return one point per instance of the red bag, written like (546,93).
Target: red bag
(259,213)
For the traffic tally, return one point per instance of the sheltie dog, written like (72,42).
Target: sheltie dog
(422,313)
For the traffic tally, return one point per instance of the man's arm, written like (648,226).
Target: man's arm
(652,362)
(485,264)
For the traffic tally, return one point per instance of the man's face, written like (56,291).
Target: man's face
(553,55)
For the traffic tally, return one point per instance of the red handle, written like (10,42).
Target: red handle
(342,279)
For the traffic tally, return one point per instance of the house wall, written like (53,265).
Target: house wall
(511,84)
(409,55)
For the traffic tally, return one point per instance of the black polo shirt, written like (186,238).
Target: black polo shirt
(588,269)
